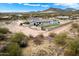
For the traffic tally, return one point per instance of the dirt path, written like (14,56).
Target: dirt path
(59,29)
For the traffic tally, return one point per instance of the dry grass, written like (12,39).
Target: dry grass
(44,49)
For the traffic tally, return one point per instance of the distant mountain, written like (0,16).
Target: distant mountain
(52,10)
(66,11)
(70,9)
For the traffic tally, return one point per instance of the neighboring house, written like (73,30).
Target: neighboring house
(5,17)
(62,17)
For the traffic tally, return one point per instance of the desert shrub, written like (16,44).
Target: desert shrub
(38,39)
(75,29)
(60,39)
(40,36)
(42,28)
(9,49)
(73,48)
(2,36)
(21,24)
(20,38)
(4,30)
(75,25)
(52,34)
(13,49)
(31,37)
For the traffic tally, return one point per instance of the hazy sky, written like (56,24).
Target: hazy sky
(26,7)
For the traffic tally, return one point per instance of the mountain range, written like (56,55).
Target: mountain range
(67,11)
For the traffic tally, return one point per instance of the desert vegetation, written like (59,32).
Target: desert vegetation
(16,44)
(61,44)
(12,44)
(55,44)
(4,30)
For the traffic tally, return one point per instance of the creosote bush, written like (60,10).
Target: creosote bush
(40,36)
(38,39)
(75,29)
(20,38)
(4,30)
(13,49)
(75,25)
(52,34)
(73,48)
(60,39)
(31,37)
(10,49)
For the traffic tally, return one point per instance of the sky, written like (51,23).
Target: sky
(29,7)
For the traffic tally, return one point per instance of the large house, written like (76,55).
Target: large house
(40,22)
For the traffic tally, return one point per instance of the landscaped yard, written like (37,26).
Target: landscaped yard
(52,25)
